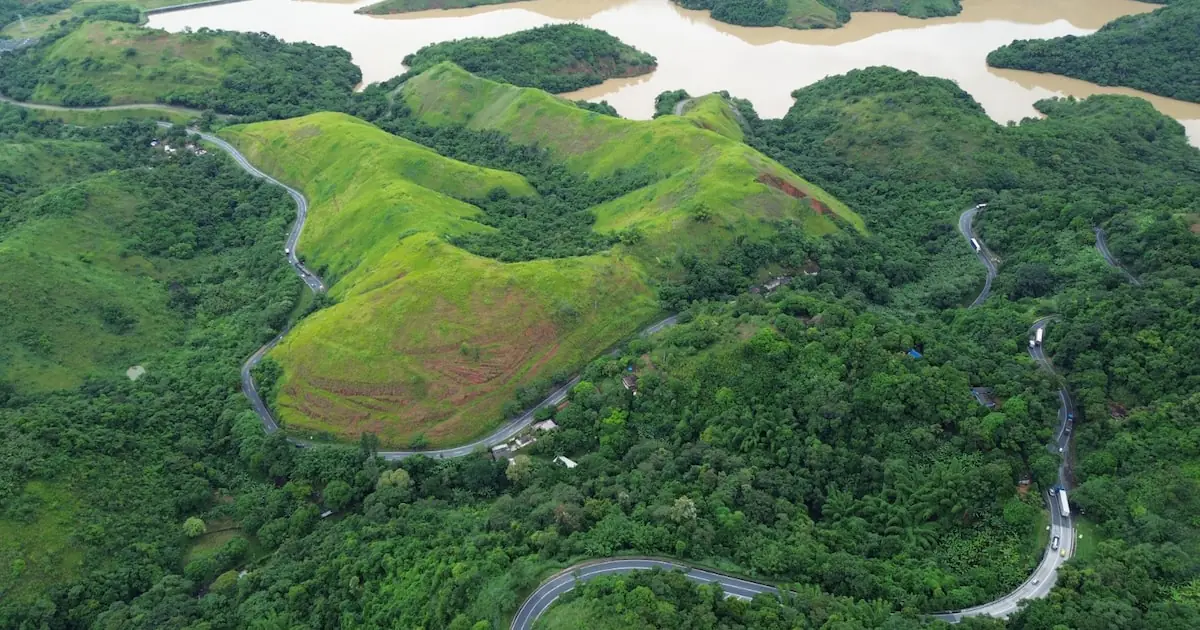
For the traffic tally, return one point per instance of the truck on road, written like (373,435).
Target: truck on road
(1065,508)
(975,244)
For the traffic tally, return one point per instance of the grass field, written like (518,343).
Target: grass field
(66,275)
(36,547)
(700,171)
(36,26)
(133,64)
(426,339)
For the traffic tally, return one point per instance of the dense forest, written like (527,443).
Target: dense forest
(821,435)
(555,58)
(253,75)
(1154,52)
(97,481)
(814,13)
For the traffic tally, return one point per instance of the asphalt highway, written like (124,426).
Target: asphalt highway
(565,581)
(1102,245)
(965,226)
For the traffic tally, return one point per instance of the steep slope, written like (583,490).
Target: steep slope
(709,188)
(427,340)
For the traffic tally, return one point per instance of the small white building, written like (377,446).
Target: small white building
(565,461)
(545,425)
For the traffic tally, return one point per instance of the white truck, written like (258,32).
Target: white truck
(975,244)
(1065,508)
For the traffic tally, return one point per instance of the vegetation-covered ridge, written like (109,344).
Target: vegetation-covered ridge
(408,6)
(1154,52)
(427,342)
(804,14)
(476,330)
(555,58)
(90,63)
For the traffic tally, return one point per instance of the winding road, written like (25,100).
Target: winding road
(314,282)
(1037,585)
(966,226)
(187,111)
(565,581)
(1102,245)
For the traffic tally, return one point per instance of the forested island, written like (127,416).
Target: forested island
(826,415)
(555,58)
(1153,52)
(387,7)
(803,14)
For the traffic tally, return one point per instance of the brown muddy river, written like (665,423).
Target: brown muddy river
(702,55)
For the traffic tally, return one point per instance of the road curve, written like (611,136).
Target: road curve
(965,226)
(1102,246)
(314,282)
(1038,584)
(565,581)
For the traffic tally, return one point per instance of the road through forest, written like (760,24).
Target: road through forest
(1038,584)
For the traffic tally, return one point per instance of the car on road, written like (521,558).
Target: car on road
(1054,543)
(1036,581)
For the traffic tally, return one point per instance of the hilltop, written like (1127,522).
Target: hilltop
(428,340)
(89,63)
(555,58)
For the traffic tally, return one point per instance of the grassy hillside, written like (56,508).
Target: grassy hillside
(426,340)
(132,64)
(75,300)
(804,14)
(555,58)
(708,187)
(92,63)
(429,341)
(1155,52)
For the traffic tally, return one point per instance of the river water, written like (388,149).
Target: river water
(702,55)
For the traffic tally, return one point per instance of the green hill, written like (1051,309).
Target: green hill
(804,14)
(429,341)
(423,330)
(388,7)
(555,58)
(698,173)
(1155,52)
(90,63)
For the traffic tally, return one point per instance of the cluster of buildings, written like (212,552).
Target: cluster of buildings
(170,150)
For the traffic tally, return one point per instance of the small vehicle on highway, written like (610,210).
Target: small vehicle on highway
(287,251)
(1054,543)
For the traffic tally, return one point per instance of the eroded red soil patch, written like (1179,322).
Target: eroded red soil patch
(791,190)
